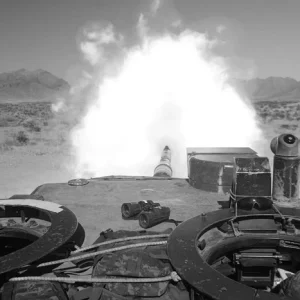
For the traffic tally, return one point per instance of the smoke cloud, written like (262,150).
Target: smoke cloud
(155,6)
(166,89)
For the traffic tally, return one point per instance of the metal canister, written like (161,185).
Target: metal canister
(286,168)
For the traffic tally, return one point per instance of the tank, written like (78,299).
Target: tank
(219,234)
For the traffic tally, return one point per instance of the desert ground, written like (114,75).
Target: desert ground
(34,149)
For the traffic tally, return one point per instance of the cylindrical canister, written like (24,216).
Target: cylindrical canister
(286,179)
(154,216)
(286,169)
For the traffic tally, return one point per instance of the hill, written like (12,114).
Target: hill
(23,85)
(40,85)
(275,89)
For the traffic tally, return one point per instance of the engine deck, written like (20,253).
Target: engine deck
(105,196)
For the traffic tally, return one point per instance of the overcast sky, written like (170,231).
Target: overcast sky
(42,34)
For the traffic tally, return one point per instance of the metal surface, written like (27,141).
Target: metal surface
(210,176)
(192,268)
(286,179)
(219,154)
(26,196)
(63,228)
(219,150)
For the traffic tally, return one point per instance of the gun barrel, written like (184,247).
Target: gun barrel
(164,169)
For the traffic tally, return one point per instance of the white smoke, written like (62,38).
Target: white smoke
(142,26)
(220,28)
(176,24)
(155,6)
(165,90)
(59,105)
(95,42)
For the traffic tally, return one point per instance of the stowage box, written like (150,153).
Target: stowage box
(251,177)
(211,169)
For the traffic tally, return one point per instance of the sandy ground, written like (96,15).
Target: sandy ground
(23,170)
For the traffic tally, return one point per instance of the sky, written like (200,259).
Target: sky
(260,34)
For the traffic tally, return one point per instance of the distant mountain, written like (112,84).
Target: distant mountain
(270,89)
(40,85)
(24,85)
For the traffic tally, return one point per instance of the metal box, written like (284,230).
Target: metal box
(211,169)
(251,177)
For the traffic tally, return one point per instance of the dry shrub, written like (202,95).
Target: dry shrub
(289,126)
(6,146)
(22,138)
(31,125)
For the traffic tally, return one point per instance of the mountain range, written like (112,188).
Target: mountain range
(24,85)
(41,85)
(276,89)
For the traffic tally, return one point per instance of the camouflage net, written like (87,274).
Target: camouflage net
(130,271)
(290,287)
